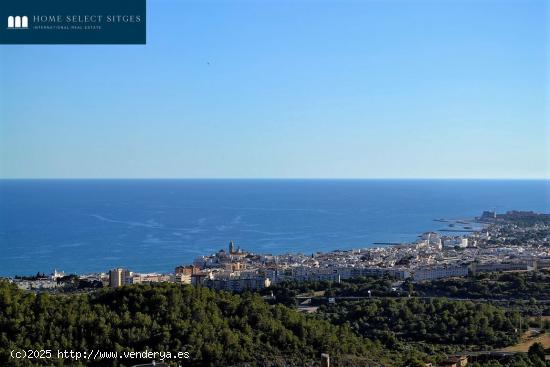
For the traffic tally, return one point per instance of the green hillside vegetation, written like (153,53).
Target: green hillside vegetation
(223,329)
(524,285)
(495,286)
(287,291)
(439,322)
(217,328)
(534,358)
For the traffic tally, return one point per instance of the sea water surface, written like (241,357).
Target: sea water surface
(153,225)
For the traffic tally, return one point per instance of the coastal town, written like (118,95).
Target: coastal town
(514,241)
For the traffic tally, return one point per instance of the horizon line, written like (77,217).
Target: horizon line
(281,178)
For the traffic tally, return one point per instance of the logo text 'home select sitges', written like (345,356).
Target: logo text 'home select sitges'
(73,22)
(68,22)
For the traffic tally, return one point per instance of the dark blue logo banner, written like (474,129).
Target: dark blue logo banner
(72,22)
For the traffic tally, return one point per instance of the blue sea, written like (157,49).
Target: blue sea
(153,225)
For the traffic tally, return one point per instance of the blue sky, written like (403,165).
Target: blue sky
(289,89)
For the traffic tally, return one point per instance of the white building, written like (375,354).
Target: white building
(119,277)
(430,273)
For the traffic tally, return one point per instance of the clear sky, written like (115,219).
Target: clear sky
(289,89)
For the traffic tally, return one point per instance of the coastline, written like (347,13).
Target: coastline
(151,225)
(431,256)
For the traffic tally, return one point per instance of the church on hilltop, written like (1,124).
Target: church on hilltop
(232,250)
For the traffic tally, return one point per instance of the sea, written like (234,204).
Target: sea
(85,226)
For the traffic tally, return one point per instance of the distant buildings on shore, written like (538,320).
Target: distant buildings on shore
(431,257)
(119,277)
(502,246)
